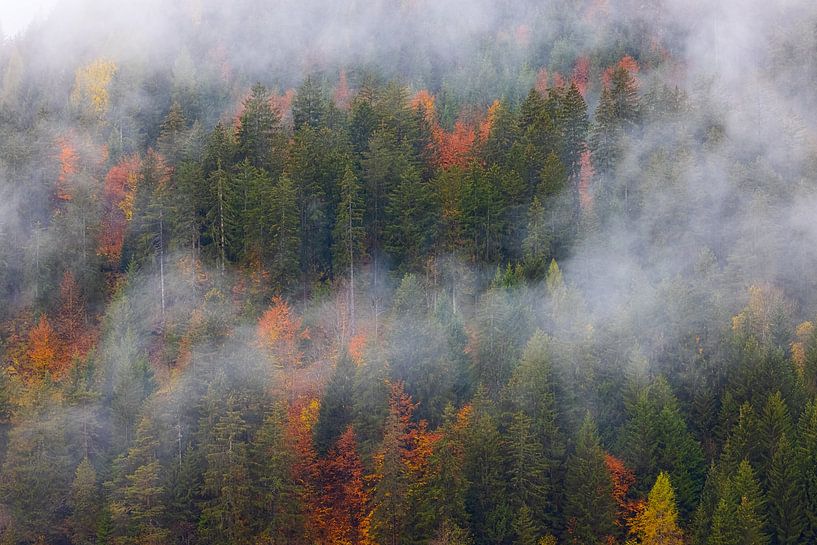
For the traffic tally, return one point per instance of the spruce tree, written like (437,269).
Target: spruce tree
(259,133)
(589,508)
(85,505)
(336,409)
(806,460)
(785,495)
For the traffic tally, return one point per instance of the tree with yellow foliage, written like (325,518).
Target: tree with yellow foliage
(91,82)
(657,523)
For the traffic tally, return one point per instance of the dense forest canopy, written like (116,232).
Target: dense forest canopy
(404,272)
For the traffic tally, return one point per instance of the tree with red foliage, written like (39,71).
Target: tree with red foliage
(118,197)
(623,479)
(581,75)
(343,95)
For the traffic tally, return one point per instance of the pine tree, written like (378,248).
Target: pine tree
(84,503)
(657,522)
(284,234)
(222,217)
(310,104)
(739,516)
(525,528)
(774,423)
(172,133)
(806,460)
(278,512)
(336,410)
(589,509)
(573,123)
(486,500)
(537,243)
(348,236)
(227,487)
(137,491)
(785,500)
(528,470)
(443,498)
(411,219)
(259,134)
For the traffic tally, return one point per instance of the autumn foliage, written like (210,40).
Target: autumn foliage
(449,148)
(118,194)
(623,479)
(628,63)
(279,332)
(43,347)
(581,75)
(68,159)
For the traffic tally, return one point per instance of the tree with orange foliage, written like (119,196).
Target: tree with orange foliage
(626,63)
(400,466)
(279,334)
(68,168)
(541,84)
(43,347)
(454,148)
(345,499)
(623,479)
(118,197)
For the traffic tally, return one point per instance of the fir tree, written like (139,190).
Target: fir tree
(589,509)
(657,522)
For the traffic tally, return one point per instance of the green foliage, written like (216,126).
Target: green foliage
(589,509)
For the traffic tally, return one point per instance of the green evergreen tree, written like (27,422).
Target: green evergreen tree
(774,422)
(278,515)
(84,504)
(589,509)
(739,516)
(806,460)
(524,527)
(336,410)
(226,510)
(259,135)
(785,501)
(310,104)
(528,470)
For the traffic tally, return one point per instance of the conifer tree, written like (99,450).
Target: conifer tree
(226,511)
(739,516)
(528,471)
(259,134)
(774,423)
(657,522)
(336,409)
(84,504)
(310,104)
(806,460)
(785,500)
(589,509)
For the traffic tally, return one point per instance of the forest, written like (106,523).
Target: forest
(406,272)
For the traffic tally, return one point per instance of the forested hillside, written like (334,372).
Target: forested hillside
(405,272)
